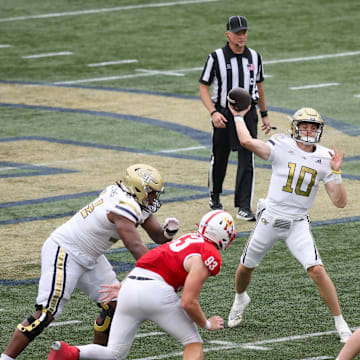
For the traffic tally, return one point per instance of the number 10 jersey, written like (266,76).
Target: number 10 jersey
(295,176)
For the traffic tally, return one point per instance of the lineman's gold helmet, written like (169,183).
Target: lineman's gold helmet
(308,115)
(141,180)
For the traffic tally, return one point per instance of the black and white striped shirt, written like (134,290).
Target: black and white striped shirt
(225,70)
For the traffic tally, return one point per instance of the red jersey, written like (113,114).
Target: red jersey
(168,260)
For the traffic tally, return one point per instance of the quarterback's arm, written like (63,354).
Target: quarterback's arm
(161,234)
(197,274)
(128,235)
(337,193)
(259,147)
(335,188)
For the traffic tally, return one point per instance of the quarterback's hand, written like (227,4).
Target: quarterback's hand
(216,322)
(110,292)
(239,113)
(171,227)
(337,158)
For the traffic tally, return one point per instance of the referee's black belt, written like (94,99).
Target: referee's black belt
(133,277)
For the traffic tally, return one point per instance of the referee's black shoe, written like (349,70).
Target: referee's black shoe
(245,214)
(215,203)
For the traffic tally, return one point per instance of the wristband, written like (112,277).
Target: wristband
(238,118)
(337,178)
(264,113)
(336,172)
(207,325)
(213,112)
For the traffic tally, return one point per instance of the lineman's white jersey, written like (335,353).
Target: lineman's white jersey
(295,176)
(89,233)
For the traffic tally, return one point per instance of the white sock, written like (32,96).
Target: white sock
(339,320)
(6,357)
(240,297)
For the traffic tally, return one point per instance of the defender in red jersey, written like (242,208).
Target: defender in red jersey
(149,293)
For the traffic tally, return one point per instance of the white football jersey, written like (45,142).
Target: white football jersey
(295,176)
(89,233)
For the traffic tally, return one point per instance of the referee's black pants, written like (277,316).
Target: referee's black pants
(225,140)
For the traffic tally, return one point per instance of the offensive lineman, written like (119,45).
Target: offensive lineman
(149,293)
(73,255)
(298,165)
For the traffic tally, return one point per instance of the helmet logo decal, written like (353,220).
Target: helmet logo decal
(229,226)
(145,176)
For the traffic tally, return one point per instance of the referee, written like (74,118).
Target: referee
(234,65)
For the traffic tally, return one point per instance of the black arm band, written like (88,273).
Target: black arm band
(264,113)
(213,112)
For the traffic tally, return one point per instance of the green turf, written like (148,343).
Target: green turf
(180,37)
(284,301)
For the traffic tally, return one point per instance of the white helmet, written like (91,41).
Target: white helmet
(218,227)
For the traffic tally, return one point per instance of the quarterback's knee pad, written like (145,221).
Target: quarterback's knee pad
(103,321)
(36,326)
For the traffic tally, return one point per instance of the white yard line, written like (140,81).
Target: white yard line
(105,78)
(179,72)
(65,323)
(318,358)
(357,95)
(312,86)
(5,46)
(119,62)
(158,72)
(62,53)
(224,345)
(104,10)
(309,58)
(182,149)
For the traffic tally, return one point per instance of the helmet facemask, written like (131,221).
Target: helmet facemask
(152,202)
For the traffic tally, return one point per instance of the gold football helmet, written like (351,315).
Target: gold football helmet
(307,115)
(145,183)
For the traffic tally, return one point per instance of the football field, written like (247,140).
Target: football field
(88,88)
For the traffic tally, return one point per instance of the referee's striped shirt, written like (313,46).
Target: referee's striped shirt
(225,70)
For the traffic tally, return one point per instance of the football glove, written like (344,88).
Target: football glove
(171,227)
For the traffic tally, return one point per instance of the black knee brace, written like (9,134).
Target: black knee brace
(105,318)
(36,326)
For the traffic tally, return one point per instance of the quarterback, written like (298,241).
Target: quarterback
(73,255)
(149,293)
(299,163)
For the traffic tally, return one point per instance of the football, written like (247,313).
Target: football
(239,98)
